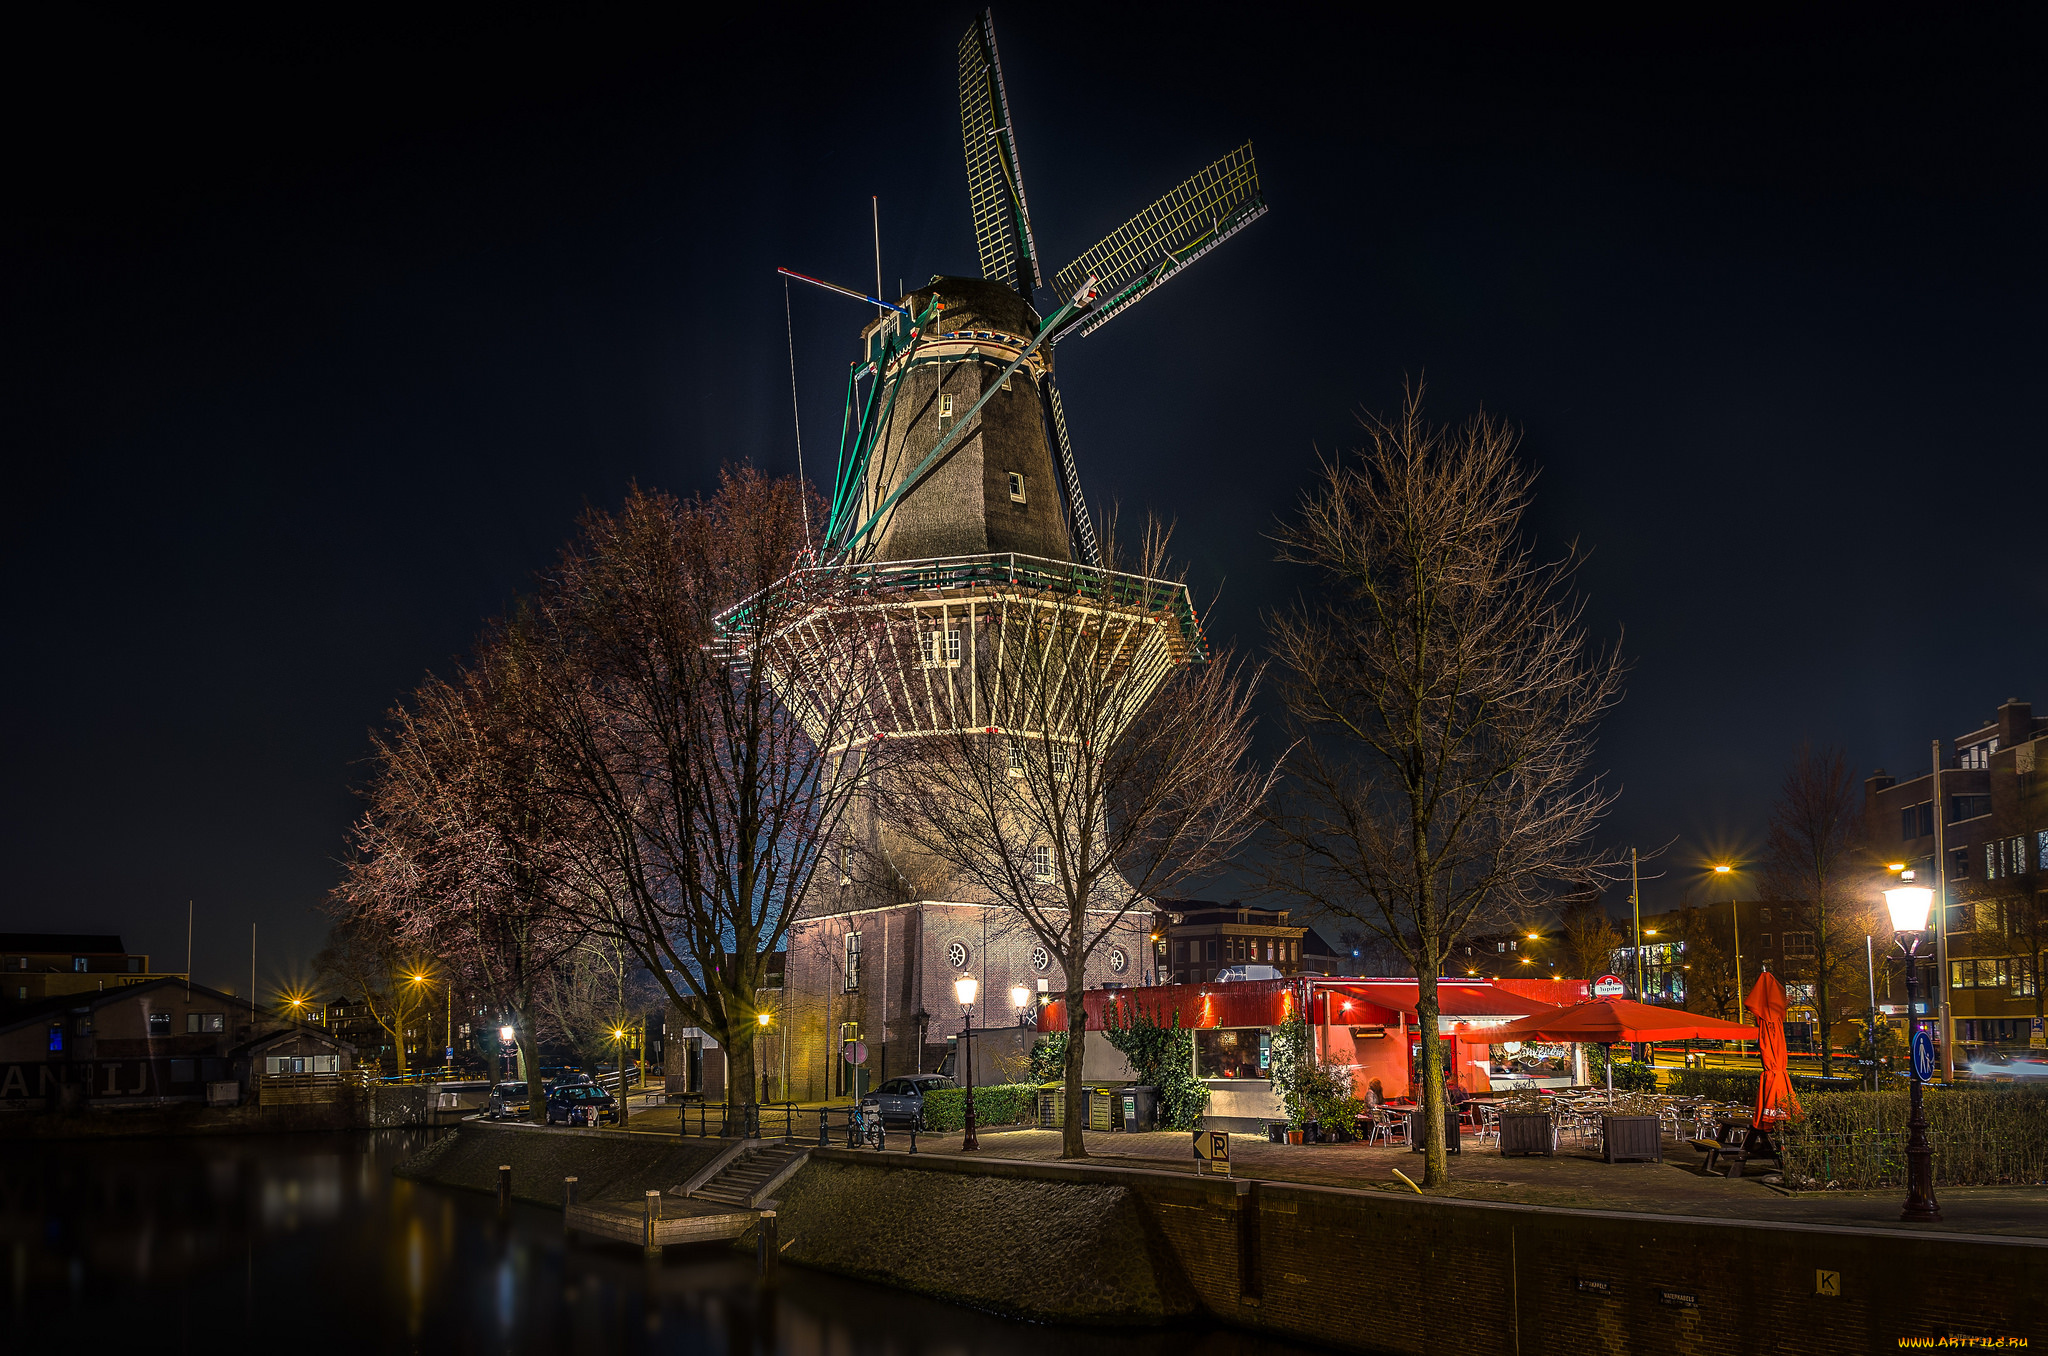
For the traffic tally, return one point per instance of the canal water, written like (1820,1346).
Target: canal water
(307,1243)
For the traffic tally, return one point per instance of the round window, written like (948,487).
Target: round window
(1041,959)
(1118,961)
(957,955)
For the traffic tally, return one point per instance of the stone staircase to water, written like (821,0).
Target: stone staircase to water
(748,1179)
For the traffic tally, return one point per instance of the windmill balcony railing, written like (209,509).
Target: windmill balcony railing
(940,574)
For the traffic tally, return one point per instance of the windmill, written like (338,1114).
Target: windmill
(958,532)
(962,359)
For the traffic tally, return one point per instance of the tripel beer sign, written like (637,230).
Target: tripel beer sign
(1609,986)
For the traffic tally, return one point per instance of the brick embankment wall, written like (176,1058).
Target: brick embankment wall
(180,1119)
(1053,1251)
(607,1164)
(1381,1272)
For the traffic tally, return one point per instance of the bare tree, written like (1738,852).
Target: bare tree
(591,994)
(1812,861)
(1590,937)
(1440,675)
(1112,764)
(1707,933)
(364,960)
(464,850)
(711,787)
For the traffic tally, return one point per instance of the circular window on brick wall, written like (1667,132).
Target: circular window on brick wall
(957,955)
(1041,959)
(1118,961)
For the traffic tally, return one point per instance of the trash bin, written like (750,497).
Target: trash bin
(1052,1107)
(1102,1109)
(1141,1107)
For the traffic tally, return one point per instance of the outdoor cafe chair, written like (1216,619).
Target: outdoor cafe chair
(1388,1127)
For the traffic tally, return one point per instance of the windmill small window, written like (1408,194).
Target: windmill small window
(1017,487)
(1041,863)
(942,648)
(945,407)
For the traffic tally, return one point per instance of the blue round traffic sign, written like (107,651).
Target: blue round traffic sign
(1923,1055)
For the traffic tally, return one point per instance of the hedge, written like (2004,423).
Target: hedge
(1985,1135)
(1739,1085)
(1003,1104)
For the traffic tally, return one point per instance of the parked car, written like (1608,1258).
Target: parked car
(508,1099)
(568,1100)
(902,1099)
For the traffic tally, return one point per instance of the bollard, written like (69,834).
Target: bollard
(823,1142)
(767,1249)
(504,1186)
(653,1216)
(913,1131)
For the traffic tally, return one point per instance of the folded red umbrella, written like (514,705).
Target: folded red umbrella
(1775,1099)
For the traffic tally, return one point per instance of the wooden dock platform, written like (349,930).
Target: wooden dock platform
(679,1221)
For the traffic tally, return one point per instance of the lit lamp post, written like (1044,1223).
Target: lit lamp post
(505,1035)
(1909,905)
(764,1020)
(1020,999)
(619,1037)
(1735,918)
(964,989)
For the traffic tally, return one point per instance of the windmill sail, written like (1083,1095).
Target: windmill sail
(1169,235)
(995,179)
(1082,528)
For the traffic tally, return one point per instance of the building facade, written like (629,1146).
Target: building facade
(1979,827)
(1194,938)
(39,965)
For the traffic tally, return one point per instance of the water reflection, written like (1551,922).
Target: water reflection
(306,1242)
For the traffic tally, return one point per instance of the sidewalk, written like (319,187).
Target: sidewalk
(1574,1179)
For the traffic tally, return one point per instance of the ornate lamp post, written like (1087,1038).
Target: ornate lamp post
(964,989)
(1020,999)
(1908,905)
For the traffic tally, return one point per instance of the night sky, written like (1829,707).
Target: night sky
(318,340)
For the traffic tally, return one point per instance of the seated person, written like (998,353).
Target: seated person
(1455,1093)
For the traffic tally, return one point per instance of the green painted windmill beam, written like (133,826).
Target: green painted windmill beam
(1076,303)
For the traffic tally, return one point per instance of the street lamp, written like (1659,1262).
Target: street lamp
(964,989)
(1909,905)
(1735,920)
(1020,999)
(448,1023)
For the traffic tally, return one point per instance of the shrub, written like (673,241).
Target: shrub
(1633,1077)
(1739,1085)
(1003,1104)
(1162,1057)
(1982,1136)
(1049,1058)
(1312,1091)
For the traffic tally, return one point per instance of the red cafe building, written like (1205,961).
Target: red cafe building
(1369,1025)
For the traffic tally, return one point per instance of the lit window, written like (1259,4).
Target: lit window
(852,961)
(1991,854)
(945,407)
(1017,487)
(78,964)
(2041,847)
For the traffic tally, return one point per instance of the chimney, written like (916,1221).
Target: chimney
(1876,782)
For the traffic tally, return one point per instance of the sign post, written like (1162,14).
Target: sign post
(1213,1147)
(1609,986)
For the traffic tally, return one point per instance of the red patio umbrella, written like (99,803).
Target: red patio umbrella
(1774,1096)
(1616,1021)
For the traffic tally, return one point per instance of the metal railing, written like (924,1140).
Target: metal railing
(823,1126)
